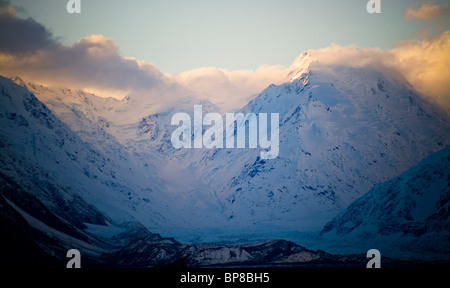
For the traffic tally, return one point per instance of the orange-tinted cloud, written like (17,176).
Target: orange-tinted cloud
(6,9)
(92,62)
(426,65)
(433,19)
(427,12)
(29,50)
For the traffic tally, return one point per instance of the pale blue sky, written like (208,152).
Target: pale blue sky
(181,35)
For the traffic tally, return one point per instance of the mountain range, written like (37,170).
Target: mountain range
(101,175)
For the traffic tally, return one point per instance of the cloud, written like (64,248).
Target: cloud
(433,19)
(231,90)
(93,62)
(426,65)
(427,12)
(29,50)
(352,56)
(6,9)
(21,36)
(423,63)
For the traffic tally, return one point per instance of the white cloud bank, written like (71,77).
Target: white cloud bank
(230,90)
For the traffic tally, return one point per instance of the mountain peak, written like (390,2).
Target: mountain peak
(301,65)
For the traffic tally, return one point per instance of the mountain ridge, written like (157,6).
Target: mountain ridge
(349,123)
(342,131)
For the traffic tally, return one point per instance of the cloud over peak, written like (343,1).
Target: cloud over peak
(423,63)
(230,90)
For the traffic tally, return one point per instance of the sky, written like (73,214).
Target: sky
(222,51)
(179,35)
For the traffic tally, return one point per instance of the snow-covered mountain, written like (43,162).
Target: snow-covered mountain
(38,147)
(48,174)
(45,174)
(140,146)
(407,216)
(342,130)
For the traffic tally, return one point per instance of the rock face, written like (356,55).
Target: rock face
(156,251)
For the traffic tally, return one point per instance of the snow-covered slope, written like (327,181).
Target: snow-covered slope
(408,216)
(59,191)
(342,130)
(48,174)
(46,184)
(39,149)
(117,163)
